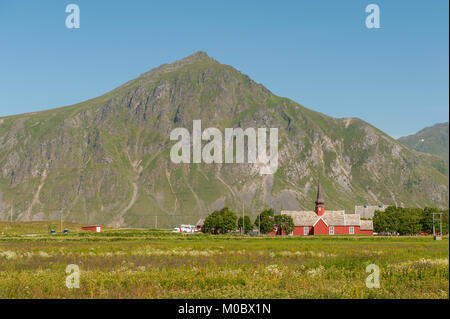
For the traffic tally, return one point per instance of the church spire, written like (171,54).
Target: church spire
(319,200)
(320,209)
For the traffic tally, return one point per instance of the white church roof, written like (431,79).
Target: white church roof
(331,217)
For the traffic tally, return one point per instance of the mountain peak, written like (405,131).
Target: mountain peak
(198,56)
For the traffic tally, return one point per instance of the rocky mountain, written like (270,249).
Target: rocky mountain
(107,160)
(432,140)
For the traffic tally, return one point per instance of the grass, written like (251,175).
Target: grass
(159,264)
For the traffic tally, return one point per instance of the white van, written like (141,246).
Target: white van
(189,229)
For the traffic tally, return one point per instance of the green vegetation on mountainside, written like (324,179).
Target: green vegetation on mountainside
(107,161)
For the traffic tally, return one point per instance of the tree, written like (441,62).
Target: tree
(285,223)
(407,221)
(220,221)
(387,221)
(379,222)
(445,221)
(245,223)
(267,221)
(426,220)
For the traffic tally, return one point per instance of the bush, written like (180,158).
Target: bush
(267,221)
(284,222)
(220,221)
(245,223)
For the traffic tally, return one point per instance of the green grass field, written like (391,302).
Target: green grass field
(160,264)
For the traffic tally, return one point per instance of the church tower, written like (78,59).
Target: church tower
(320,208)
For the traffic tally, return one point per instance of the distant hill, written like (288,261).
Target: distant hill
(432,140)
(107,160)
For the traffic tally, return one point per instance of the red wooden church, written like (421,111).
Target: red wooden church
(328,222)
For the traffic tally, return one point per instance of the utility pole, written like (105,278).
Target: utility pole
(437,237)
(11,212)
(259,224)
(156,221)
(243,219)
(61,220)
(434,229)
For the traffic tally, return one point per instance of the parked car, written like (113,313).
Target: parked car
(65,231)
(52,232)
(176,230)
(188,229)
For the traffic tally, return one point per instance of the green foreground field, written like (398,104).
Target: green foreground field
(160,264)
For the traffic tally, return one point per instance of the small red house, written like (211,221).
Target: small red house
(326,222)
(199,225)
(95,228)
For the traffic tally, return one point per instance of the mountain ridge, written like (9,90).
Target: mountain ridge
(432,140)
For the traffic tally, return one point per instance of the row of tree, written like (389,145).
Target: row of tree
(225,221)
(394,220)
(409,221)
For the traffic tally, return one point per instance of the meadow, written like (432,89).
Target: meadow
(133,263)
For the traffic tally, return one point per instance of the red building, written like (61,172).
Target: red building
(95,228)
(328,222)
(199,225)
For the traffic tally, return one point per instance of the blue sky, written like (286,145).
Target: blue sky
(318,53)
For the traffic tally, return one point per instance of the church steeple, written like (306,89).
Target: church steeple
(320,208)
